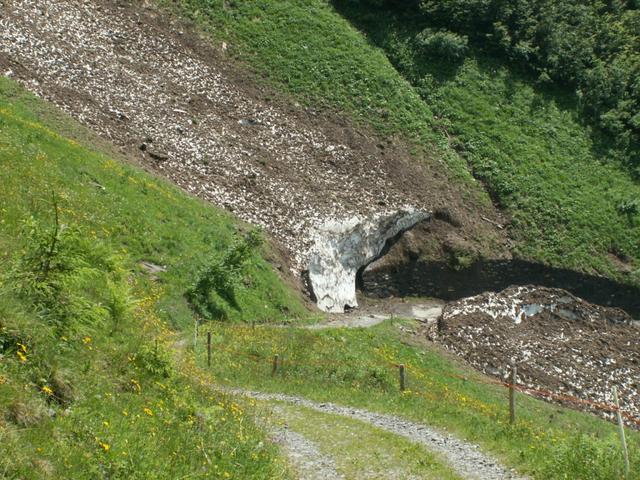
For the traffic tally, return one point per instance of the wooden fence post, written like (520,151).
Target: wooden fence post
(275,364)
(625,452)
(208,349)
(512,394)
(402,377)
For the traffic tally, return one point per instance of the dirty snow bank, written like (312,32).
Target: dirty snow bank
(560,342)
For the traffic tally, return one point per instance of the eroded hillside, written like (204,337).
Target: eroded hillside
(173,102)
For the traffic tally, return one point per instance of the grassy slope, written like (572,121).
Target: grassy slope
(146,217)
(527,142)
(100,398)
(357,367)
(524,142)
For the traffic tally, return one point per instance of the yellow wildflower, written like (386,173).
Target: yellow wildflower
(87,340)
(47,389)
(136,385)
(21,356)
(148,411)
(104,446)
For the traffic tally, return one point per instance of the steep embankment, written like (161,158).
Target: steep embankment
(557,178)
(172,100)
(570,198)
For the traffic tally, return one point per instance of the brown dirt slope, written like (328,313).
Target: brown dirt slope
(178,106)
(560,343)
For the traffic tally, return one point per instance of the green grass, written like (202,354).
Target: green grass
(524,141)
(125,421)
(88,385)
(556,176)
(144,216)
(357,367)
(361,451)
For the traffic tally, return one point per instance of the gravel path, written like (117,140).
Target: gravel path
(356,321)
(308,462)
(425,312)
(465,458)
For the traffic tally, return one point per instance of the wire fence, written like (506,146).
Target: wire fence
(279,361)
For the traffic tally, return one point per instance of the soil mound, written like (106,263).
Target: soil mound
(562,344)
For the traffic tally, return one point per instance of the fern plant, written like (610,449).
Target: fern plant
(69,278)
(215,287)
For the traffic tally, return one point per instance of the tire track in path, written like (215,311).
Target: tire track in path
(305,457)
(464,457)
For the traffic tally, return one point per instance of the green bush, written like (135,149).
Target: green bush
(630,209)
(156,360)
(215,288)
(443,44)
(591,47)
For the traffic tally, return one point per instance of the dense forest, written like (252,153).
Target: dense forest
(592,47)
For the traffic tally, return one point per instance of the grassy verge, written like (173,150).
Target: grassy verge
(88,386)
(571,208)
(356,367)
(361,451)
(96,404)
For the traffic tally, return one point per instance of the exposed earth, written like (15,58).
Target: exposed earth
(178,106)
(562,345)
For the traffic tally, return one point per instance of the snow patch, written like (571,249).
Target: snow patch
(341,248)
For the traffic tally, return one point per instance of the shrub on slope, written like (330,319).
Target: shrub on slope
(89,387)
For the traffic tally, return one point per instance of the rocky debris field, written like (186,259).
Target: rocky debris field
(172,100)
(560,343)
